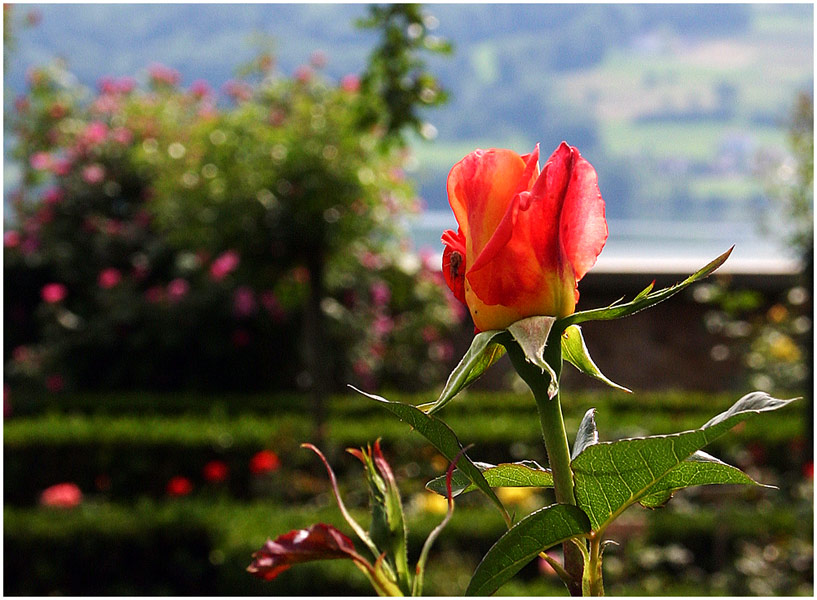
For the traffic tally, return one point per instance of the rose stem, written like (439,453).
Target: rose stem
(555,438)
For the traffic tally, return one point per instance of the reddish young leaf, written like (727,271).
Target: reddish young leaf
(318,542)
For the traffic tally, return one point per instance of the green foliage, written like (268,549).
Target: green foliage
(180,238)
(535,533)
(219,526)
(610,476)
(575,351)
(520,474)
(396,80)
(445,441)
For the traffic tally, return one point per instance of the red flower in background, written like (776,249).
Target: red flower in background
(109,278)
(216,471)
(179,486)
(265,461)
(224,264)
(53,293)
(525,237)
(61,495)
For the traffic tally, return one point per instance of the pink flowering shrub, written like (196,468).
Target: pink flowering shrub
(168,237)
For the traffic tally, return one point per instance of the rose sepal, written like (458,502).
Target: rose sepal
(644,299)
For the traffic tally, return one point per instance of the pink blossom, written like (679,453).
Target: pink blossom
(93,174)
(45,215)
(350,83)
(109,278)
(200,88)
(162,74)
(61,167)
(113,227)
(370,260)
(106,104)
(125,85)
(54,383)
(381,294)
(361,368)
(21,104)
(238,90)
(30,245)
(61,495)
(430,333)
(155,294)
(122,135)
(107,85)
(177,289)
(94,133)
(11,238)
(244,301)
(383,325)
(52,196)
(207,110)
(303,74)
(53,293)
(441,351)
(224,264)
(318,59)
(40,161)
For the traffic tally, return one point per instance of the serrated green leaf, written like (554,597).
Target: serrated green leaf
(535,533)
(532,334)
(587,435)
(610,476)
(526,473)
(443,439)
(480,355)
(699,469)
(575,352)
(643,300)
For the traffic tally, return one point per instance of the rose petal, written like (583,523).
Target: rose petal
(583,225)
(454,263)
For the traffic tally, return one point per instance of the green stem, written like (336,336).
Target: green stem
(555,438)
(592,584)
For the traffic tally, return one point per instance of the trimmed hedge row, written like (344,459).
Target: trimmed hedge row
(205,547)
(129,402)
(137,455)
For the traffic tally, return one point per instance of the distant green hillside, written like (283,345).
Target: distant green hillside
(671,103)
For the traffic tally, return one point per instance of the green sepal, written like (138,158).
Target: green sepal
(575,352)
(610,476)
(482,353)
(643,300)
(525,473)
(535,533)
(531,334)
(444,440)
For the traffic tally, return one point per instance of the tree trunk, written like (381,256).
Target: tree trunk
(317,365)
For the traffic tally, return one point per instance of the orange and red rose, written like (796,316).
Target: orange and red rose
(525,237)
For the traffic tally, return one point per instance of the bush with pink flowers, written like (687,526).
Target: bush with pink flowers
(169,237)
